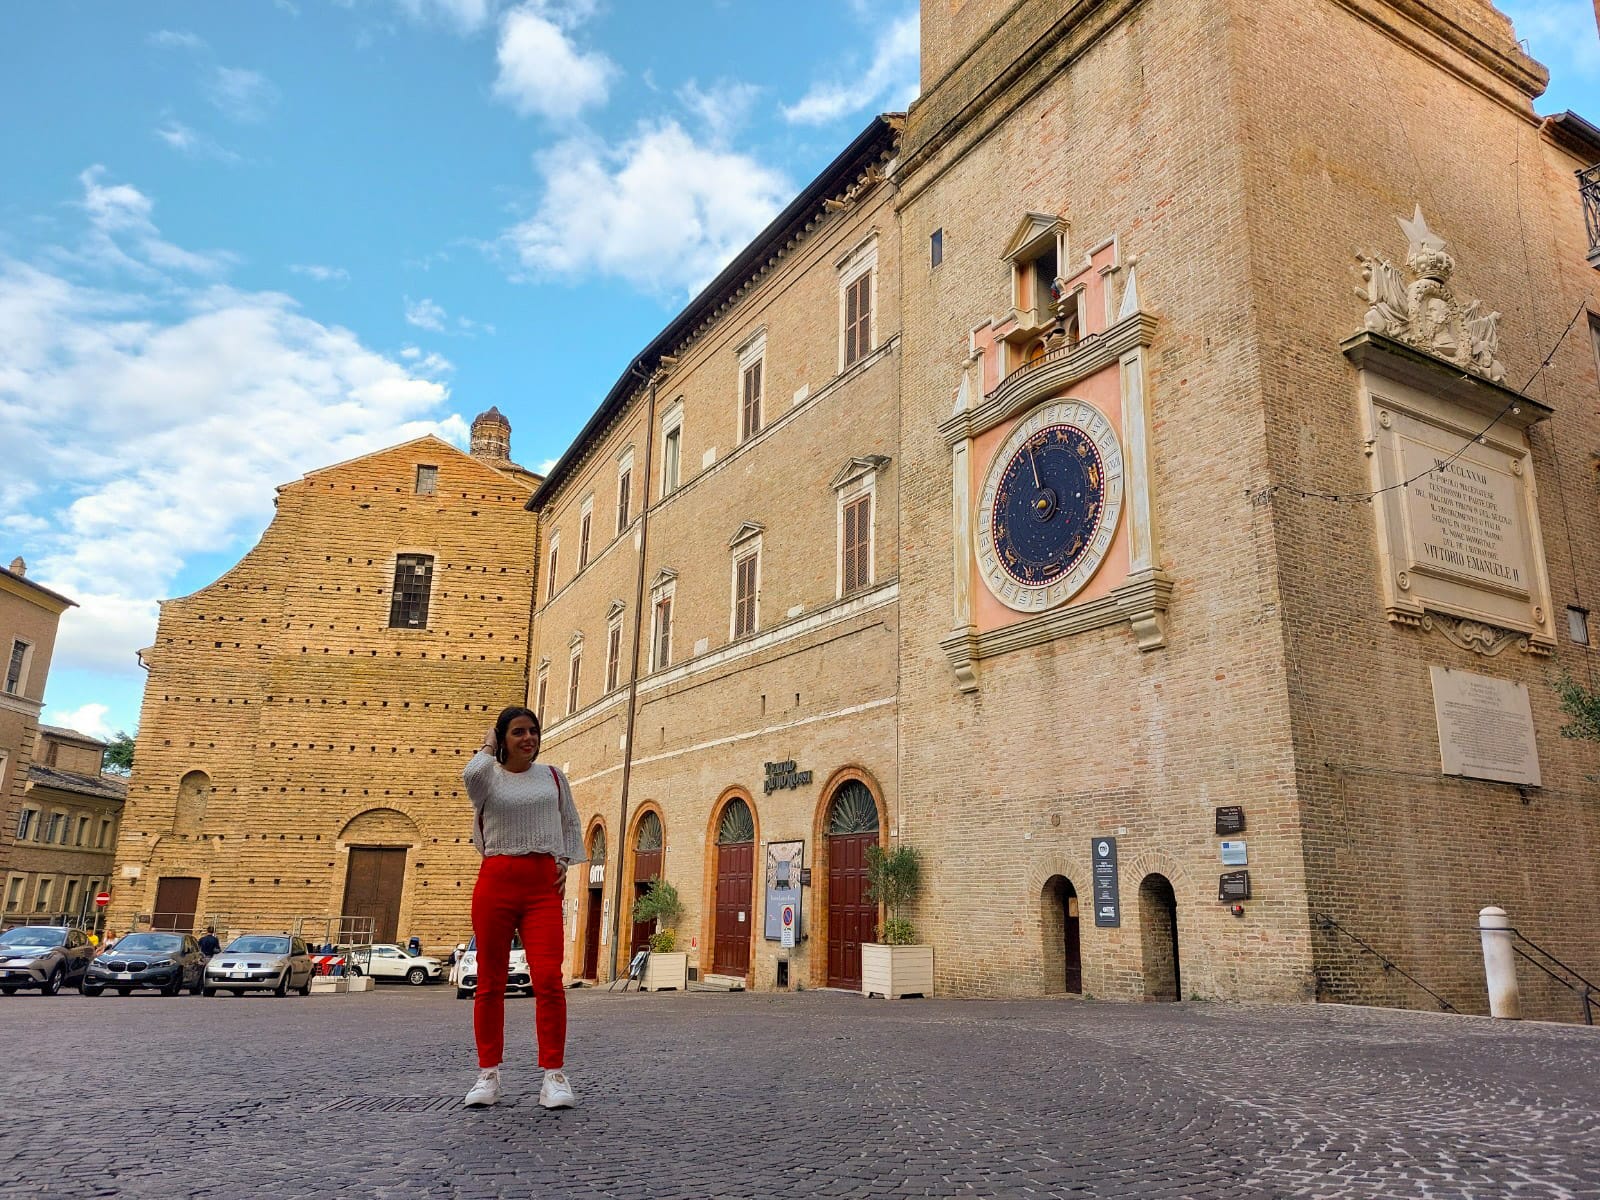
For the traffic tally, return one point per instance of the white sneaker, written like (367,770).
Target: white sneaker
(556,1092)
(487,1090)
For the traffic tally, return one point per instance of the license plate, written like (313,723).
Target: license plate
(124,974)
(237,975)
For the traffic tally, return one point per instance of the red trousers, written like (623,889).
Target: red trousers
(518,893)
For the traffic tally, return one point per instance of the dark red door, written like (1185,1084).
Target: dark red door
(373,887)
(177,896)
(735,873)
(852,917)
(591,935)
(646,866)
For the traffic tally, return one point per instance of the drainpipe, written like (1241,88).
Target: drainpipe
(665,362)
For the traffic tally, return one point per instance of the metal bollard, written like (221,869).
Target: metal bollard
(1499,964)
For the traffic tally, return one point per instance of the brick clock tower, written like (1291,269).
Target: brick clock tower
(1166,694)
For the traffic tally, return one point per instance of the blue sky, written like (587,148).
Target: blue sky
(240,241)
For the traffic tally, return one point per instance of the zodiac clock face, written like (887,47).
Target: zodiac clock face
(1049,506)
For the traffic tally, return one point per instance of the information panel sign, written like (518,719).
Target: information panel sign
(1107,898)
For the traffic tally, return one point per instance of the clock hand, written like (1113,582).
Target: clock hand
(1033,463)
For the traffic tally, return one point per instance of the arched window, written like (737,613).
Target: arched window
(853,810)
(189,815)
(649,833)
(597,847)
(737,824)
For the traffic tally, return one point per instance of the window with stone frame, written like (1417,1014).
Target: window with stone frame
(27,823)
(858,287)
(427,479)
(413,580)
(82,837)
(661,598)
(53,835)
(750,405)
(542,691)
(855,486)
(613,652)
(745,549)
(624,492)
(574,675)
(14,887)
(14,669)
(104,838)
(585,523)
(857,549)
(672,448)
(554,560)
(41,897)
(69,898)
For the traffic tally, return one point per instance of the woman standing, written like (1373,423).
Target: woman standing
(526,827)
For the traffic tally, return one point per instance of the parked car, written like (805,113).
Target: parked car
(389,961)
(465,972)
(168,961)
(262,962)
(48,957)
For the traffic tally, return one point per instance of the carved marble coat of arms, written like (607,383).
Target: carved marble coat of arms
(1425,312)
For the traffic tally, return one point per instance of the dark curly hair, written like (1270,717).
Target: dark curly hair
(503,723)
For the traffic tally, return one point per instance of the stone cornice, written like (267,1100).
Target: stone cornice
(1428,373)
(1027,385)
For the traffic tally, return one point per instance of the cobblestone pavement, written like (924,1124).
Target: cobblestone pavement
(819,1094)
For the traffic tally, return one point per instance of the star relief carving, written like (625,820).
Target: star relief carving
(1423,310)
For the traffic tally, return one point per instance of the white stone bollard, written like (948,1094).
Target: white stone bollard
(1499,964)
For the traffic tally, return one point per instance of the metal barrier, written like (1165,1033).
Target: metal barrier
(1548,963)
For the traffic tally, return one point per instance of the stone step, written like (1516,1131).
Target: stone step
(722,983)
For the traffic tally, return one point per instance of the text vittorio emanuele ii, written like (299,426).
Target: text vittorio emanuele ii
(1470,524)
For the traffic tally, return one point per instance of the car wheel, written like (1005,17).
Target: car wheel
(283,984)
(305,988)
(175,987)
(463,993)
(198,987)
(417,976)
(9,990)
(89,989)
(208,991)
(52,985)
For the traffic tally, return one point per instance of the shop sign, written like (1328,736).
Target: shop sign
(781,775)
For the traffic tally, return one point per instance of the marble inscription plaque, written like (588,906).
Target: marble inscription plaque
(1485,727)
(1464,518)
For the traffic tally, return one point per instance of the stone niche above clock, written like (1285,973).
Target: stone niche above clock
(1050,477)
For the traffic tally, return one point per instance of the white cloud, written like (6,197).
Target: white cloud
(541,71)
(660,210)
(890,80)
(240,94)
(122,235)
(425,314)
(545,467)
(321,273)
(188,405)
(193,143)
(723,107)
(176,39)
(87,718)
(465,16)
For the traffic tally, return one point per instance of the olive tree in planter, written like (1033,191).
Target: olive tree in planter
(666,968)
(897,966)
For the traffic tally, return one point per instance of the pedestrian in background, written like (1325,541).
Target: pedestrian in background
(526,826)
(209,944)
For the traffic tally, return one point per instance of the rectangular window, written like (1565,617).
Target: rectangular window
(41,898)
(858,319)
(662,657)
(583,539)
(413,578)
(427,480)
(1578,626)
(104,839)
(56,821)
(744,595)
(613,655)
(19,655)
(572,682)
(550,578)
(936,248)
(83,832)
(671,454)
(26,822)
(750,424)
(14,893)
(858,543)
(624,487)
(69,900)
(542,692)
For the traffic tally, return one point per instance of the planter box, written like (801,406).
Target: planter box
(895,971)
(666,973)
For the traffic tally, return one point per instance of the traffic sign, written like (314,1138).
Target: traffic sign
(786,938)
(102,898)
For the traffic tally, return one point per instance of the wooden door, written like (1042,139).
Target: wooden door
(591,935)
(735,875)
(646,866)
(852,916)
(177,896)
(373,888)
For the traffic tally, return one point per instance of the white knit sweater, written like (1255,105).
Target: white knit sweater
(522,812)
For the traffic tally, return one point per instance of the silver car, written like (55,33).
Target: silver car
(48,957)
(263,962)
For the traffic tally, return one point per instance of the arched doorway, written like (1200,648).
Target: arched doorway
(375,874)
(1063,954)
(852,826)
(736,856)
(1158,935)
(596,903)
(647,857)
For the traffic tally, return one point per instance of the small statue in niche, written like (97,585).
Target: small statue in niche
(1425,312)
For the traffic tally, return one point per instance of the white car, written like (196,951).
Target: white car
(389,961)
(465,973)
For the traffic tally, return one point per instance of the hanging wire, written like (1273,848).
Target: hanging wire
(1267,491)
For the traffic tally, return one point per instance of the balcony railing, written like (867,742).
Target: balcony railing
(1589,189)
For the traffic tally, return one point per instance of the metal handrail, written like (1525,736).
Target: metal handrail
(1327,922)
(1587,989)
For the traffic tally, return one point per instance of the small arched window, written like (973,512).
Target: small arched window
(737,825)
(194,791)
(853,810)
(649,833)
